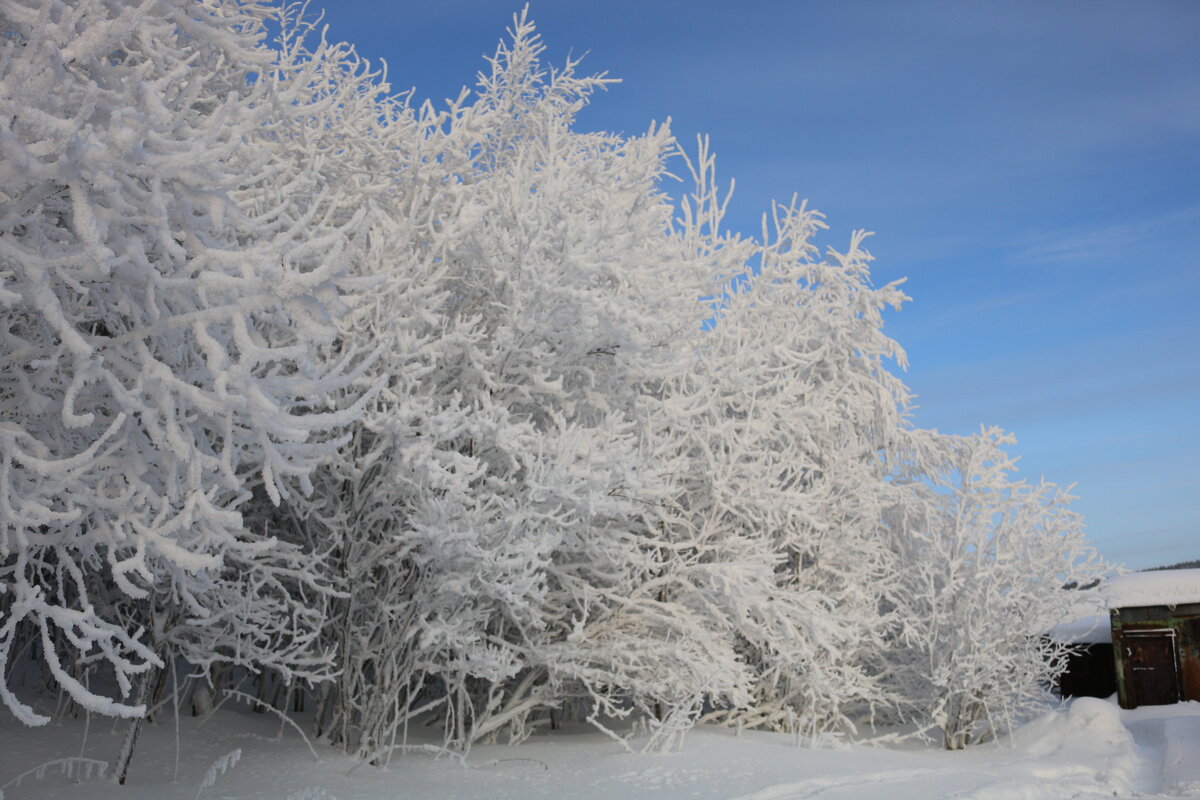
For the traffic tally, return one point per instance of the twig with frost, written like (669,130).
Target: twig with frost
(73,767)
(219,768)
(611,734)
(282,716)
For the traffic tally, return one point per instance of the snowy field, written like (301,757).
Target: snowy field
(1088,749)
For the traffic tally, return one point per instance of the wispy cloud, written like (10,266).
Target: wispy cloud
(1079,244)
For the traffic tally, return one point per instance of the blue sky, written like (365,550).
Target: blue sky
(1032,168)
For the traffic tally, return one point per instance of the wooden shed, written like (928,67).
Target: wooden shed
(1156,636)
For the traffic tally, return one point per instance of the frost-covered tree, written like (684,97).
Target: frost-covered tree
(796,425)
(164,287)
(985,562)
(506,492)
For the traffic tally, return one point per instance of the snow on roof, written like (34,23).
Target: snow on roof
(1092,629)
(1167,587)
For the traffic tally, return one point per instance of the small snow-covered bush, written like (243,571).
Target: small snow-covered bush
(986,559)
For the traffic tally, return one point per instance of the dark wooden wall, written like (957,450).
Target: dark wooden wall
(1156,651)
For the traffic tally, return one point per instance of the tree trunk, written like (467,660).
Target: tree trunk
(135,727)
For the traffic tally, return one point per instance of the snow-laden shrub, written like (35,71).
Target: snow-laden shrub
(164,287)
(987,561)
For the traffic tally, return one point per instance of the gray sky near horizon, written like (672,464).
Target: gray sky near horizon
(1032,167)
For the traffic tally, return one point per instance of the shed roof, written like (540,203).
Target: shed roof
(1168,587)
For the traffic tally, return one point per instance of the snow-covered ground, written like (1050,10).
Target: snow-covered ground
(1088,749)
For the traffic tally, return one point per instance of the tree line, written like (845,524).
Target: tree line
(455,414)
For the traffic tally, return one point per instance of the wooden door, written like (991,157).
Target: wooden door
(1151,671)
